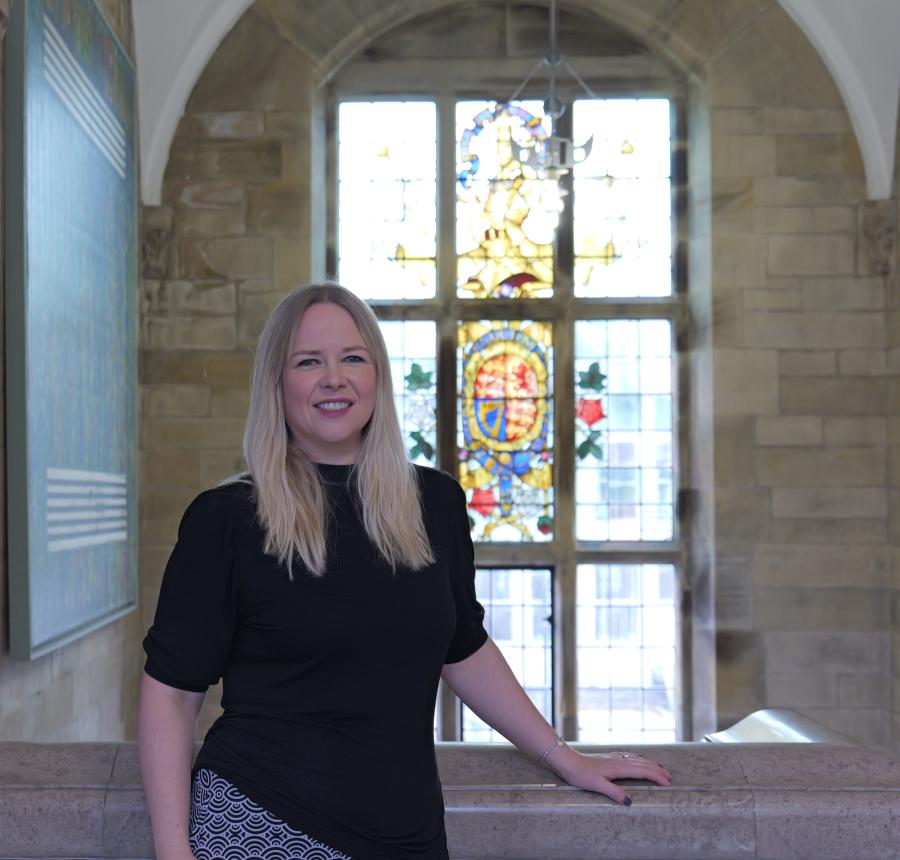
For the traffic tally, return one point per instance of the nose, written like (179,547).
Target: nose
(334,375)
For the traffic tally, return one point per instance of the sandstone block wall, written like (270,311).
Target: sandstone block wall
(893,439)
(801,282)
(86,690)
(795,321)
(231,237)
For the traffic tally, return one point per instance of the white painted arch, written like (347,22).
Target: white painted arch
(174,40)
(857,41)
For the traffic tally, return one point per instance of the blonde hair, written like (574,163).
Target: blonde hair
(291,497)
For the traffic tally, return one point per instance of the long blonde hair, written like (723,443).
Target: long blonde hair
(291,498)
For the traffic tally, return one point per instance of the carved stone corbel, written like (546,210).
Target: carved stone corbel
(877,238)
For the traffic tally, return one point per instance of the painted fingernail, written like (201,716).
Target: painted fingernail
(628,801)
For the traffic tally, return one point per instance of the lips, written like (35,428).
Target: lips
(334,405)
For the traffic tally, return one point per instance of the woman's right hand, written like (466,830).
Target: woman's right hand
(187,854)
(176,854)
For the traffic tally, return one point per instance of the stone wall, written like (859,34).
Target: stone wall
(86,690)
(85,800)
(231,237)
(800,391)
(893,353)
(793,350)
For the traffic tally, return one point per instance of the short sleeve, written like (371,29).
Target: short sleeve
(469,634)
(189,643)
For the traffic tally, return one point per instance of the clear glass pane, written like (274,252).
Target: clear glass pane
(517,607)
(506,217)
(631,137)
(593,519)
(411,347)
(623,430)
(622,205)
(505,429)
(387,192)
(627,628)
(624,412)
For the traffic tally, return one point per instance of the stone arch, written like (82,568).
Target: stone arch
(171,62)
(866,67)
(687,45)
(637,19)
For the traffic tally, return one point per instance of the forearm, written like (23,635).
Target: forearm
(488,686)
(167,720)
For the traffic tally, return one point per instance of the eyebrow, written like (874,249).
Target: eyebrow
(319,351)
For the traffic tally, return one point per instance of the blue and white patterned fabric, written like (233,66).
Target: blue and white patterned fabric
(226,825)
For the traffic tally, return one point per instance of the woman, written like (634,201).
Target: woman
(330,587)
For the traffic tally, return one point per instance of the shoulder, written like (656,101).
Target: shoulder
(437,481)
(442,496)
(234,494)
(227,506)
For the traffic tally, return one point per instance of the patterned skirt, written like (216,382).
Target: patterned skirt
(227,825)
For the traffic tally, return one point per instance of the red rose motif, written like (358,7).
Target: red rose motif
(590,411)
(483,502)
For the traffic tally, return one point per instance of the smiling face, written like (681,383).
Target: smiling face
(329,385)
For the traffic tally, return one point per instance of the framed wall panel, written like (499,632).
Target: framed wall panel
(71,281)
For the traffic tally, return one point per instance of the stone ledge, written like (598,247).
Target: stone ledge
(734,800)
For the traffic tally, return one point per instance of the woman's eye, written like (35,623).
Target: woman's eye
(354,358)
(305,362)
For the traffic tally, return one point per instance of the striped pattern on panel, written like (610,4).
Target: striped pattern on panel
(85,508)
(68,80)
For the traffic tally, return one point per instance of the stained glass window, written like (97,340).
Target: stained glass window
(505,430)
(624,470)
(387,191)
(411,348)
(517,605)
(626,653)
(623,222)
(503,216)
(506,216)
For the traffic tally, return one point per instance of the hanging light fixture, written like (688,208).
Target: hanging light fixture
(509,164)
(553,155)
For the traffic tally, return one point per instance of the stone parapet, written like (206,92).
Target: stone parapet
(737,800)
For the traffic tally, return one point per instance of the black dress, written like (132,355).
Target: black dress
(329,682)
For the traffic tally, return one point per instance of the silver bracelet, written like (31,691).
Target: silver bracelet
(559,742)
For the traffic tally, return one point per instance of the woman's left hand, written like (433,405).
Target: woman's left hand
(595,772)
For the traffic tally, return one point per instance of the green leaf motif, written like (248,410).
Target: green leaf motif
(593,380)
(417,379)
(590,447)
(422,447)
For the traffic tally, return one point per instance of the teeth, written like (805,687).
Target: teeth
(332,407)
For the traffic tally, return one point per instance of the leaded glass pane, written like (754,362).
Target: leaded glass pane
(626,653)
(411,349)
(623,210)
(624,464)
(387,192)
(517,609)
(505,430)
(506,216)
